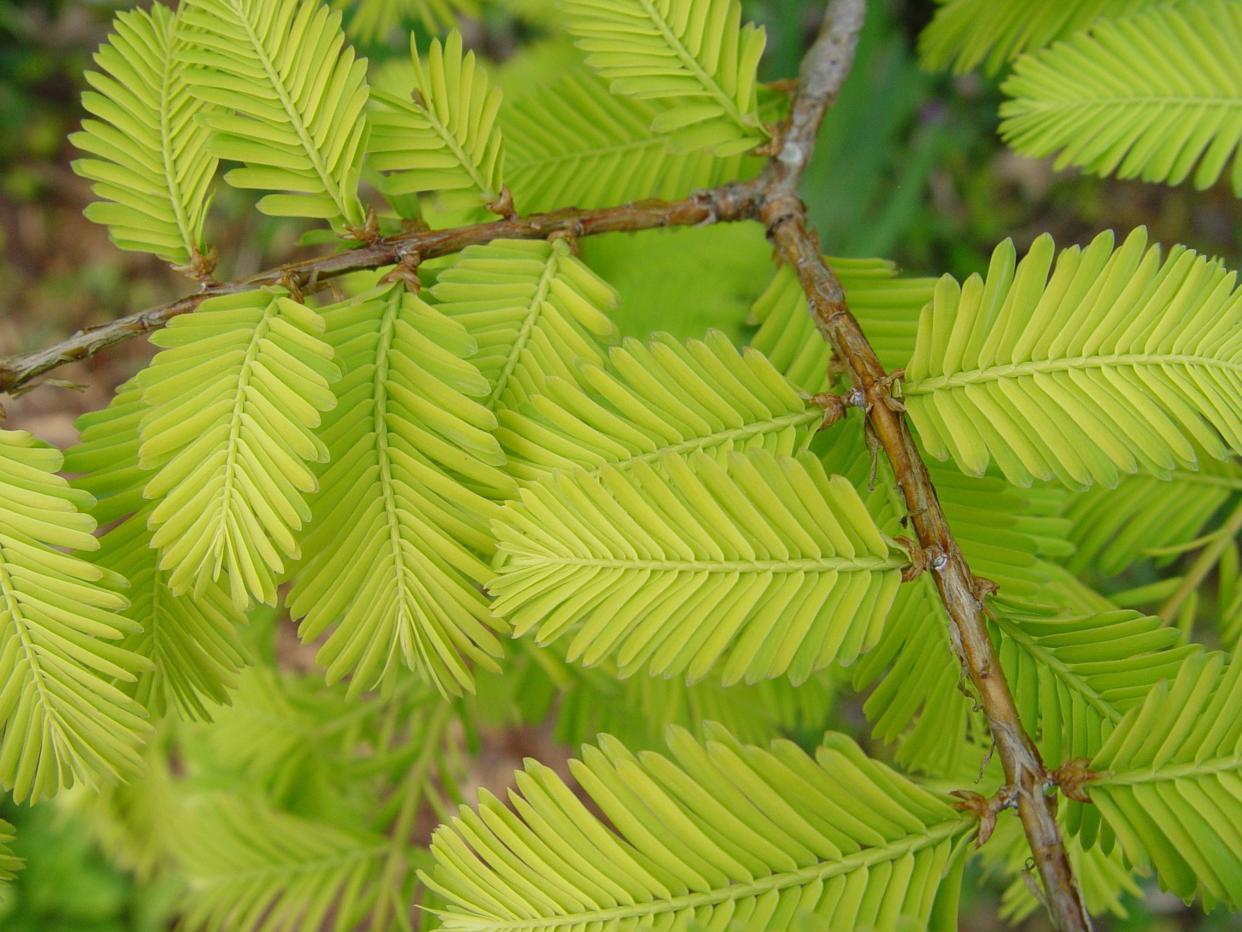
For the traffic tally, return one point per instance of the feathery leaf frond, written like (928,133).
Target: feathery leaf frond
(662,397)
(10,864)
(292,98)
(443,135)
(721,833)
(885,305)
(233,400)
(151,165)
(533,309)
(694,52)
(1156,96)
(250,866)
(1074,676)
(966,33)
(399,545)
(575,143)
(1112,528)
(191,641)
(1114,364)
(1171,774)
(763,567)
(372,21)
(62,719)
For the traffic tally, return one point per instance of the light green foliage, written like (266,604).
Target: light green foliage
(9,863)
(967,33)
(1156,97)
(1076,675)
(654,399)
(1111,364)
(191,642)
(150,162)
(233,400)
(399,542)
(537,684)
(718,831)
(290,95)
(762,567)
(1172,773)
(533,309)
(1113,528)
(683,280)
(249,866)
(694,53)
(442,135)
(575,143)
(560,440)
(372,21)
(886,306)
(63,719)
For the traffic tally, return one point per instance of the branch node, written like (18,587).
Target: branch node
(367,234)
(834,406)
(884,388)
(922,559)
(568,235)
(201,265)
(294,281)
(406,269)
(503,204)
(1072,778)
(985,809)
(982,588)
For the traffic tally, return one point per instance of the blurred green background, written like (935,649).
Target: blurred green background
(908,167)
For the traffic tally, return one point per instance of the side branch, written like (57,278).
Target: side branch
(823,71)
(727,203)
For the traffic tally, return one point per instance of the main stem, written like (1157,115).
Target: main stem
(823,71)
(773,199)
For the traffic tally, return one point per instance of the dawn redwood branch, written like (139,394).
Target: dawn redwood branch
(726,203)
(773,199)
(823,70)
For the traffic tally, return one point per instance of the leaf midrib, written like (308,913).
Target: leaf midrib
(1064,672)
(1126,100)
(692,64)
(861,860)
(797,565)
(383,457)
(13,606)
(1177,772)
(1031,368)
(809,415)
(295,118)
(171,176)
(233,440)
(473,170)
(530,320)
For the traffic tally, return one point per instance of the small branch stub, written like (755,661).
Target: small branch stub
(985,809)
(1073,778)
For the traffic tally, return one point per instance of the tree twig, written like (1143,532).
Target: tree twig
(726,203)
(823,71)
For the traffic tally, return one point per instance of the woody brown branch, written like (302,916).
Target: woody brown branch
(823,71)
(730,202)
